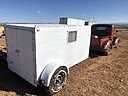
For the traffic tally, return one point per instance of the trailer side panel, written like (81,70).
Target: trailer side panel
(68,45)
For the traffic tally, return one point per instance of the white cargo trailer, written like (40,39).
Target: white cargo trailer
(43,53)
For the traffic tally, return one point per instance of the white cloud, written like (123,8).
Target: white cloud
(84,14)
(50,21)
(122,20)
(91,19)
(56,21)
(113,17)
(98,19)
(2,11)
(39,12)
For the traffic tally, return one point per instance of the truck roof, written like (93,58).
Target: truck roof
(103,25)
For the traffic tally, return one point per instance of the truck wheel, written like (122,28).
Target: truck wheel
(107,52)
(58,81)
(116,41)
(115,46)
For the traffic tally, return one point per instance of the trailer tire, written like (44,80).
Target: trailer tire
(57,81)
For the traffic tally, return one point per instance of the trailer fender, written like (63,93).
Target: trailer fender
(49,71)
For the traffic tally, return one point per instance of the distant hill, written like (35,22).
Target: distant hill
(125,24)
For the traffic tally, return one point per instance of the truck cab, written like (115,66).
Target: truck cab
(103,38)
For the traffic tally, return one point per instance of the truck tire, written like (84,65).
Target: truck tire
(116,44)
(107,52)
(116,41)
(57,81)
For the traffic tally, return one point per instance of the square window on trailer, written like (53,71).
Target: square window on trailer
(72,36)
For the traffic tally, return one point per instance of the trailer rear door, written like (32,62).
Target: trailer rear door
(20,52)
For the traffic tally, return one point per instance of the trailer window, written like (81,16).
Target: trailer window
(72,36)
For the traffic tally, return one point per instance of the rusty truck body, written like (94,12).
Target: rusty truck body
(103,38)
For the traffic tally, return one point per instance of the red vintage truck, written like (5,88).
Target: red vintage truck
(103,38)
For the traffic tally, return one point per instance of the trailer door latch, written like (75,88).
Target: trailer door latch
(17,51)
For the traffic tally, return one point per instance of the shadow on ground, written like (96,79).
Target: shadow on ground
(93,54)
(11,82)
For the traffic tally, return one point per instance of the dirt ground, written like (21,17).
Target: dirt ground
(96,76)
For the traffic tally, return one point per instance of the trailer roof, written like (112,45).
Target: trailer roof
(42,25)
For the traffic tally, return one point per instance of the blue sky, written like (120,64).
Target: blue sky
(49,11)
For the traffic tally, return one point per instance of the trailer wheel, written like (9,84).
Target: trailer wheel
(58,81)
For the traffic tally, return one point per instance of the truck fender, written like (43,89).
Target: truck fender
(116,41)
(49,70)
(107,44)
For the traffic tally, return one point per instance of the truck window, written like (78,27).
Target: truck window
(100,31)
(72,36)
(101,28)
